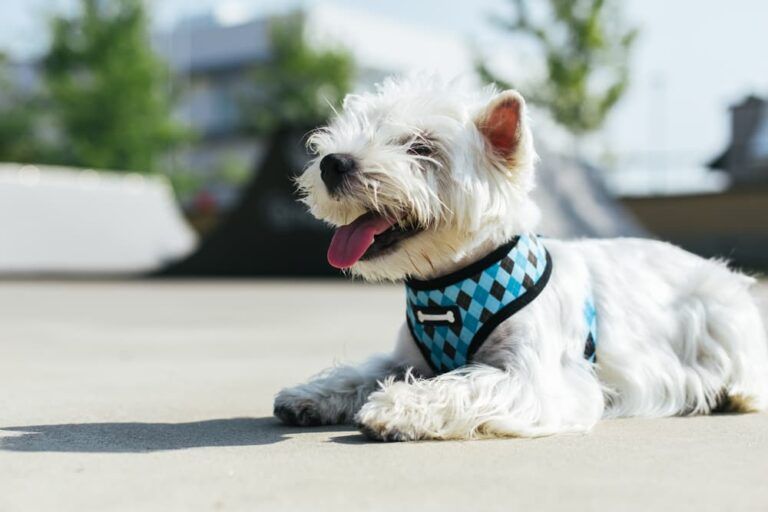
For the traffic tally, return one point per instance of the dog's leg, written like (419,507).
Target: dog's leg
(483,401)
(722,346)
(333,396)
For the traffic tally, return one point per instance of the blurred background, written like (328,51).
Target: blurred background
(160,137)
(146,143)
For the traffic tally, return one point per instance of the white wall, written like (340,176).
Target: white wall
(68,221)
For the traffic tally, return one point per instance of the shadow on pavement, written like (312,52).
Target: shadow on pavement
(151,437)
(353,439)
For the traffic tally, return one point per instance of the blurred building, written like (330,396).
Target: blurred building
(729,223)
(213,59)
(212,63)
(746,157)
(25,75)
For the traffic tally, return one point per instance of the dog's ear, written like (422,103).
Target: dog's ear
(501,123)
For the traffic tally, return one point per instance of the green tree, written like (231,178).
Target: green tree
(586,47)
(299,85)
(18,114)
(108,92)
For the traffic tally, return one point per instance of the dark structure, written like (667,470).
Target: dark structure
(268,233)
(729,225)
(746,157)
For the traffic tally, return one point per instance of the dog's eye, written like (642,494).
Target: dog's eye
(421,148)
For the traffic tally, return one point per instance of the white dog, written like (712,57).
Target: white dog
(428,181)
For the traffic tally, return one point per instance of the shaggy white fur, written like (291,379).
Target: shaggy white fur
(677,334)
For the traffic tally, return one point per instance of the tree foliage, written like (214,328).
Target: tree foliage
(586,48)
(18,115)
(299,85)
(108,92)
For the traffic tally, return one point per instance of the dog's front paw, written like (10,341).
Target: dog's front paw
(383,432)
(382,420)
(293,409)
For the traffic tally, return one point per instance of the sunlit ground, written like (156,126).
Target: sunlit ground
(147,395)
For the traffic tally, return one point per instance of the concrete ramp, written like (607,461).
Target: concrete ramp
(575,203)
(67,221)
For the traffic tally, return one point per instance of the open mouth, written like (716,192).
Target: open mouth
(368,236)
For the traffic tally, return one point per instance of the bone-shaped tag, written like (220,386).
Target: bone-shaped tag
(438,315)
(447,317)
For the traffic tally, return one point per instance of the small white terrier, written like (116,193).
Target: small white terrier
(428,181)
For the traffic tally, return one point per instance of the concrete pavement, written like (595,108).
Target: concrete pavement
(157,396)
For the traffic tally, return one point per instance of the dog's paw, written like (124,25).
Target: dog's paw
(381,420)
(384,433)
(297,411)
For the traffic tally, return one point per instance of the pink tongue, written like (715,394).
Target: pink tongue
(351,241)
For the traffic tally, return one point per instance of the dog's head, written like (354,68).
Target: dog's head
(419,175)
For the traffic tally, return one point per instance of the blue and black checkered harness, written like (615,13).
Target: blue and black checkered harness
(450,317)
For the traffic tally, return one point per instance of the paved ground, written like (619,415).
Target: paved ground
(147,396)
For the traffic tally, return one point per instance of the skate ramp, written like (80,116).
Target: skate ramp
(575,203)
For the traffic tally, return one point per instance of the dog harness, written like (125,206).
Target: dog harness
(450,317)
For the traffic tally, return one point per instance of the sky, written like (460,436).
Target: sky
(693,60)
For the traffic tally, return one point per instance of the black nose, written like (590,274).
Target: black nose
(333,167)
